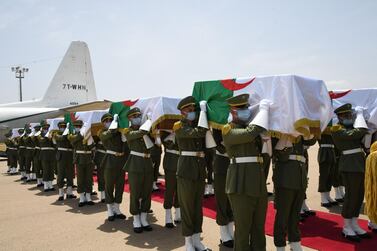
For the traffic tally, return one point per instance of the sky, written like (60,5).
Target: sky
(160,48)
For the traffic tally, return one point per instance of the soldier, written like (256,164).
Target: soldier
(246,179)
(21,153)
(29,153)
(64,158)
(170,169)
(191,173)
(327,162)
(11,153)
(47,156)
(98,158)
(224,213)
(290,182)
(37,165)
(140,170)
(337,179)
(113,163)
(370,188)
(347,136)
(82,157)
(156,152)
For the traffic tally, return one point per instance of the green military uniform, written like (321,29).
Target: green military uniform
(37,165)
(290,183)
(351,165)
(140,172)
(156,152)
(98,158)
(224,214)
(113,163)
(246,184)
(64,158)
(47,157)
(326,161)
(21,154)
(209,156)
(83,158)
(11,152)
(191,172)
(29,154)
(170,169)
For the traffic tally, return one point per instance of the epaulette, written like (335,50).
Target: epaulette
(124,130)
(336,128)
(225,129)
(177,125)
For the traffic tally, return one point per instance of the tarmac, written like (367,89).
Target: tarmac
(33,220)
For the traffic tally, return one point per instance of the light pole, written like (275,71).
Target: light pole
(20,74)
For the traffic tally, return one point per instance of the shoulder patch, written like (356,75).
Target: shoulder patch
(177,125)
(225,129)
(336,128)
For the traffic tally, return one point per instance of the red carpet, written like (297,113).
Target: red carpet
(320,232)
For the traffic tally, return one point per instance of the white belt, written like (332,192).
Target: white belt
(298,158)
(100,150)
(11,148)
(99,143)
(172,151)
(47,148)
(30,148)
(65,149)
(193,154)
(222,154)
(37,147)
(83,152)
(254,159)
(21,147)
(114,153)
(351,151)
(143,155)
(327,145)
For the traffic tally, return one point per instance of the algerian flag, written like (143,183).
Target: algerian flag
(366,98)
(301,106)
(91,121)
(162,111)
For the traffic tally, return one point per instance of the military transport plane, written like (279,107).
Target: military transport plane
(71,89)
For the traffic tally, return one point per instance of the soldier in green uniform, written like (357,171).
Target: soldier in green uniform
(29,153)
(156,152)
(290,181)
(224,213)
(64,158)
(113,163)
(170,169)
(348,135)
(47,156)
(140,170)
(21,153)
(83,158)
(191,172)
(337,179)
(327,161)
(37,165)
(11,152)
(246,179)
(98,157)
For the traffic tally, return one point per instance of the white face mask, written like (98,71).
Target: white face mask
(136,121)
(107,125)
(191,116)
(61,129)
(77,130)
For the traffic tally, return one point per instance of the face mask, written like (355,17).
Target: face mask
(77,130)
(191,116)
(107,125)
(347,122)
(61,129)
(244,115)
(45,131)
(136,121)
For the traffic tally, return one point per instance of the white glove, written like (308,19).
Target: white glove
(265,104)
(146,126)
(359,109)
(66,131)
(203,105)
(149,115)
(114,123)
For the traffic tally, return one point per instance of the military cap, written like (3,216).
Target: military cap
(78,123)
(44,123)
(133,111)
(187,101)
(343,109)
(62,123)
(239,100)
(106,116)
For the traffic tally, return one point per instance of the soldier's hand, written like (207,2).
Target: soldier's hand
(265,104)
(203,105)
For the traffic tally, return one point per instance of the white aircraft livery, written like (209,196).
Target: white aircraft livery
(72,86)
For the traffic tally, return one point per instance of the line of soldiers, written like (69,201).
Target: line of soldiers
(241,159)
